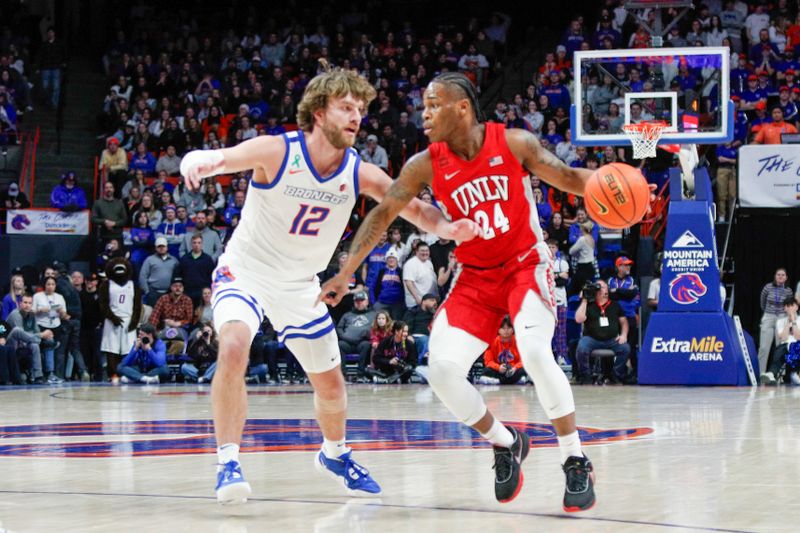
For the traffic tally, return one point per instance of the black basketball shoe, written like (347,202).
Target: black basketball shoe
(508,476)
(579,494)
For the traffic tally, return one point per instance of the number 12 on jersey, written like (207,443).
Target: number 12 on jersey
(301,225)
(500,224)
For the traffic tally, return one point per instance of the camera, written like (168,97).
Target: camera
(206,335)
(590,291)
(146,340)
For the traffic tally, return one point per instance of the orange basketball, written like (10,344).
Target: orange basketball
(616,196)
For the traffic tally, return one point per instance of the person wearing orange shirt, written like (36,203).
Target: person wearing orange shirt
(501,361)
(770,132)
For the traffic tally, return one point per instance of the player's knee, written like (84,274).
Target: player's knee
(234,346)
(440,372)
(330,401)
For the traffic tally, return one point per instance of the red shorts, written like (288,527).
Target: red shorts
(480,298)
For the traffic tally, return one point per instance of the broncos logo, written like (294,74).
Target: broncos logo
(20,222)
(687,288)
(222,275)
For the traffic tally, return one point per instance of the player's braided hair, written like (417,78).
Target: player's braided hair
(464,84)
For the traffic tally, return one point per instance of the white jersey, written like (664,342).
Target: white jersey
(120,300)
(290,227)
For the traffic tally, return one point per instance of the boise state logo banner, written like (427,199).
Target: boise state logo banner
(191,437)
(690,275)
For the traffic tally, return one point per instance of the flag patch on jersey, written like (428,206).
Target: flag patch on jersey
(496,160)
(342,187)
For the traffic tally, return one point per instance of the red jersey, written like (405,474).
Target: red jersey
(493,190)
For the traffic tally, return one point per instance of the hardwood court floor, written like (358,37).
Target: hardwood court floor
(133,458)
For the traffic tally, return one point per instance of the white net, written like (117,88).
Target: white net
(644,138)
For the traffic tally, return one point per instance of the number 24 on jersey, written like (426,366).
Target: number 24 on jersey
(499,222)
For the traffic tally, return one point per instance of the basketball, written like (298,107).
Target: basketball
(616,196)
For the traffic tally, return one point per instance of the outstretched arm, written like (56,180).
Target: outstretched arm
(416,173)
(249,155)
(544,164)
(375,183)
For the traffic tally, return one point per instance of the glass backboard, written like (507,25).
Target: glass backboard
(686,87)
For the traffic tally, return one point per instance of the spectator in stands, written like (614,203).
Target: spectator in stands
(172,230)
(582,255)
(561,280)
(203,349)
(13,198)
(67,196)
(197,268)
(772,297)
(770,132)
(604,327)
(236,208)
(52,59)
(9,367)
(28,339)
(8,120)
(787,332)
(375,153)
(108,213)
(211,241)
(654,289)
(50,308)
(148,207)
(419,277)
(147,360)
(142,160)
(173,315)
(446,274)
(91,326)
(381,328)
(205,311)
(170,162)
(114,162)
(373,264)
(473,64)
(213,194)
(419,320)
(502,363)
(157,271)
(394,148)
(408,135)
(396,355)
(622,289)
(193,201)
(559,232)
(389,293)
(137,181)
(575,230)
(353,331)
(70,324)
(726,179)
(142,240)
(15,293)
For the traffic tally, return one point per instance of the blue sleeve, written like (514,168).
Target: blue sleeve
(574,233)
(8,306)
(158,356)
(150,166)
(57,197)
(131,357)
(80,198)
(596,235)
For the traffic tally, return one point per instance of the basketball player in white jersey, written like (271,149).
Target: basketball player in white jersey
(304,187)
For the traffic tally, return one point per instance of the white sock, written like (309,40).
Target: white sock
(570,446)
(334,448)
(499,435)
(227,453)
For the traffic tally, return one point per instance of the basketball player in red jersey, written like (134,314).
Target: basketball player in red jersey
(479,171)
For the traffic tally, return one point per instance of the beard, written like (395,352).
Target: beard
(336,137)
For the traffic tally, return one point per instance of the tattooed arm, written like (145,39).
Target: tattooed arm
(416,173)
(545,164)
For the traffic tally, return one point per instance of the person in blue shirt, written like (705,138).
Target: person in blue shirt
(143,160)
(173,230)
(389,289)
(740,123)
(753,94)
(143,240)
(67,196)
(623,289)
(147,360)
(575,228)
(788,107)
(557,92)
(726,179)
(373,264)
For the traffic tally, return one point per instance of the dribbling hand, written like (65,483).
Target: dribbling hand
(200,164)
(334,290)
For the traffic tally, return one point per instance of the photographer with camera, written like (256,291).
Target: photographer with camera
(501,361)
(396,355)
(147,360)
(604,327)
(202,350)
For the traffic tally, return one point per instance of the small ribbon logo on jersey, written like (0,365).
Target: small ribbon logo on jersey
(296,162)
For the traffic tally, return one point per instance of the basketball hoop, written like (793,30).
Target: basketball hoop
(644,137)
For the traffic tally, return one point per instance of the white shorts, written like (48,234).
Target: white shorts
(306,329)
